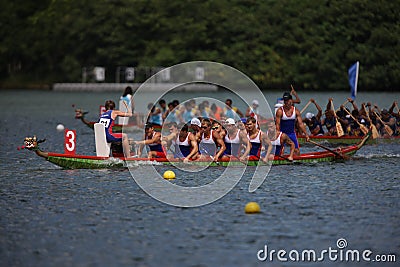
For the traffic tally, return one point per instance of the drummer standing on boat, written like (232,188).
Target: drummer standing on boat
(286,117)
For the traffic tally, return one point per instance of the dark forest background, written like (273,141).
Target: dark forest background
(310,44)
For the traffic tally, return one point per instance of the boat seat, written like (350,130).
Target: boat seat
(102,147)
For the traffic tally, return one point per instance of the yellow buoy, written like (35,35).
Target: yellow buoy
(252,207)
(169,175)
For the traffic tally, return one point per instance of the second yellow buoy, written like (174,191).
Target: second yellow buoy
(169,175)
(252,207)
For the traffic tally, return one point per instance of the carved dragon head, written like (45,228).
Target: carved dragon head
(31,143)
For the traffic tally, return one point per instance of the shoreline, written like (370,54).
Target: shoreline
(113,87)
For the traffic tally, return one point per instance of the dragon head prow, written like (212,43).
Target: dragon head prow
(32,143)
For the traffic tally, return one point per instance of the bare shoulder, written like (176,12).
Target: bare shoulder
(216,135)
(192,137)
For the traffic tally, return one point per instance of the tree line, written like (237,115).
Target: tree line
(310,44)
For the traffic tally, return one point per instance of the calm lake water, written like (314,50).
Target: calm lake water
(55,217)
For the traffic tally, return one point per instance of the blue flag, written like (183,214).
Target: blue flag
(353,79)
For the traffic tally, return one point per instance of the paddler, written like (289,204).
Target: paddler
(195,125)
(286,117)
(234,139)
(388,120)
(314,121)
(278,140)
(257,139)
(229,111)
(167,140)
(185,144)
(329,122)
(396,116)
(108,118)
(153,140)
(209,140)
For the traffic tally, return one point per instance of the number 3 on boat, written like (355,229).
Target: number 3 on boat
(69,142)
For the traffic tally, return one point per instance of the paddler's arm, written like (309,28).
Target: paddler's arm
(140,149)
(294,93)
(245,140)
(239,113)
(391,110)
(155,112)
(329,105)
(156,139)
(278,120)
(319,114)
(166,140)
(116,113)
(218,140)
(352,103)
(195,148)
(165,114)
(169,137)
(266,142)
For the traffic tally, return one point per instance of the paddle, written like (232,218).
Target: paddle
(339,128)
(340,155)
(363,128)
(387,127)
(306,106)
(344,103)
(375,133)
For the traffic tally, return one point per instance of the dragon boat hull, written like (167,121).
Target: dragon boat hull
(68,161)
(94,162)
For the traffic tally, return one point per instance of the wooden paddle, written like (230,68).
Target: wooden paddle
(344,103)
(306,106)
(398,110)
(375,133)
(339,128)
(363,128)
(340,155)
(387,127)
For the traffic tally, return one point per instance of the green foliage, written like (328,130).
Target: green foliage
(276,43)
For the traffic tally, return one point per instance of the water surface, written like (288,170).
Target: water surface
(55,217)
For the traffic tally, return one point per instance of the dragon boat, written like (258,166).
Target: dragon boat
(69,161)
